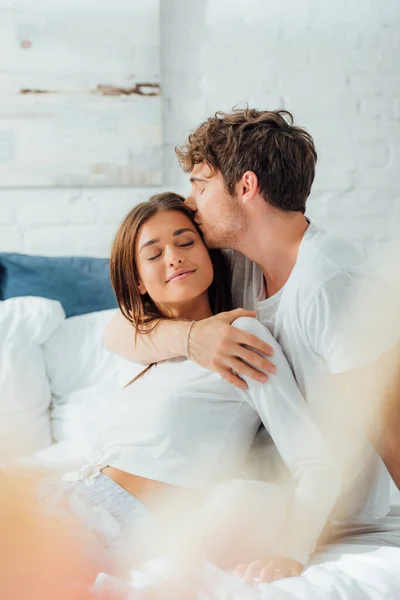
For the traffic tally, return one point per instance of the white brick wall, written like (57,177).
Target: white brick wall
(334,64)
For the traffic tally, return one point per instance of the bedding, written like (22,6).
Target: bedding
(345,572)
(47,361)
(53,373)
(25,395)
(81,283)
(338,572)
(82,374)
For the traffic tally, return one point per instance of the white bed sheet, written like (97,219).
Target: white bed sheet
(338,572)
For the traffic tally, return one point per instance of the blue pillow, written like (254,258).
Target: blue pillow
(81,284)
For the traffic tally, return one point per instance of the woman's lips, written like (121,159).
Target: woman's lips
(180,276)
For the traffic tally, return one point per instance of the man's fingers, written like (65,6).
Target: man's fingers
(278,574)
(255,360)
(279,569)
(252,571)
(267,573)
(252,341)
(229,376)
(241,569)
(246,370)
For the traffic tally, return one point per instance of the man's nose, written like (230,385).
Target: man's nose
(191,203)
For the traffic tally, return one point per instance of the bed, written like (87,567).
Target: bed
(53,371)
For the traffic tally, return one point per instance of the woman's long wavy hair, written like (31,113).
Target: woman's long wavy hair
(139,309)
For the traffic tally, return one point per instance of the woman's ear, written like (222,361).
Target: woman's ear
(142,289)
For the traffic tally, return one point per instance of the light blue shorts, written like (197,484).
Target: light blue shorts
(115,524)
(104,491)
(113,508)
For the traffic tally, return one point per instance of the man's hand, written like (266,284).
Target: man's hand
(218,346)
(270,569)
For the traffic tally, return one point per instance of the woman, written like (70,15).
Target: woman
(177,429)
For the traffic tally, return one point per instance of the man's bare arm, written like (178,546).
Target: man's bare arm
(213,344)
(390,438)
(370,398)
(166,341)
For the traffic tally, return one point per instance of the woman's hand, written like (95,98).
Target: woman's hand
(218,346)
(270,569)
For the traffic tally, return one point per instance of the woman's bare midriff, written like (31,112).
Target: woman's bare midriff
(149,491)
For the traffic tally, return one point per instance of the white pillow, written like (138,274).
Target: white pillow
(82,373)
(25,324)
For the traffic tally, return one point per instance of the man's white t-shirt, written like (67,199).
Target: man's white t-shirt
(322,328)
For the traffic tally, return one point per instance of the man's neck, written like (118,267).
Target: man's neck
(273,242)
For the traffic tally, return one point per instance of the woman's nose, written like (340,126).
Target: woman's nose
(174,258)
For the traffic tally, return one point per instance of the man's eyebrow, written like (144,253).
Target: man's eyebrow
(194,179)
(175,234)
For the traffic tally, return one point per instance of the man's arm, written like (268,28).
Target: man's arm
(305,453)
(213,343)
(390,448)
(352,323)
(390,438)
(166,341)
(371,401)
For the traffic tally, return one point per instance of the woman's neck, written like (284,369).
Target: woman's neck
(195,310)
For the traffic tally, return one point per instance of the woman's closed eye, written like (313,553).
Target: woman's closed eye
(151,258)
(185,245)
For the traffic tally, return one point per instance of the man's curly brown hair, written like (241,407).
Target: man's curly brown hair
(281,154)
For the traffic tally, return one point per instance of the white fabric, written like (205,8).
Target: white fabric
(338,572)
(320,320)
(45,357)
(81,373)
(186,426)
(25,324)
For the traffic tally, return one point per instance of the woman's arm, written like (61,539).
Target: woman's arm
(302,447)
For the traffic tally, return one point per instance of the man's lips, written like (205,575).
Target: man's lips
(179,275)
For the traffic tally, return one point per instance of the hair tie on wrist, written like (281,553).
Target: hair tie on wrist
(187,338)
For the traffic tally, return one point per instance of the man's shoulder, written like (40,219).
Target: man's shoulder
(323,260)
(321,257)
(321,250)
(326,265)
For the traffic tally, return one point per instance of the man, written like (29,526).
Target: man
(251,173)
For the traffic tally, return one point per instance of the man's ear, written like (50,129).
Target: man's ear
(247,186)
(141,287)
